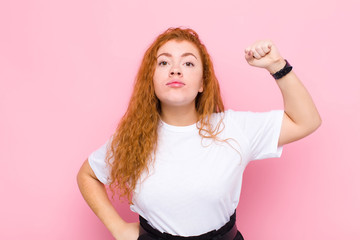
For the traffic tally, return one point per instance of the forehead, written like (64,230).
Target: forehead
(176,47)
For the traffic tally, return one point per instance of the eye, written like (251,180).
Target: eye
(162,63)
(189,64)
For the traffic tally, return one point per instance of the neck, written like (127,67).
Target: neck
(179,115)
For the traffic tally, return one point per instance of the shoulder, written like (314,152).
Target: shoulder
(252,116)
(231,114)
(248,119)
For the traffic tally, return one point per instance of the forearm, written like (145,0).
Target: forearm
(95,195)
(298,104)
(301,116)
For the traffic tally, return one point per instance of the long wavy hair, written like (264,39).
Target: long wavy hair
(134,142)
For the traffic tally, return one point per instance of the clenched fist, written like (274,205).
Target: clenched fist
(264,54)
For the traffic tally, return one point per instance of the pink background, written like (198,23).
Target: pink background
(66,72)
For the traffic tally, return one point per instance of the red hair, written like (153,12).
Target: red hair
(135,138)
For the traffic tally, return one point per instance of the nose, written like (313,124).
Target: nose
(175,72)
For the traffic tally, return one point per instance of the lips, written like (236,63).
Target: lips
(175,83)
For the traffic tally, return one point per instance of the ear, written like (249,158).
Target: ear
(201,89)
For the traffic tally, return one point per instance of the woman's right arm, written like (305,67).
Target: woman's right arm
(95,195)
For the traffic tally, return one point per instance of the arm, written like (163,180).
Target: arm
(95,195)
(301,117)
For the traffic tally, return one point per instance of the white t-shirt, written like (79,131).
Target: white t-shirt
(194,184)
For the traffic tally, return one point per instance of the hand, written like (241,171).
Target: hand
(130,231)
(264,54)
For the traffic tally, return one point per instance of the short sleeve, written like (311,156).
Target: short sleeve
(98,163)
(262,129)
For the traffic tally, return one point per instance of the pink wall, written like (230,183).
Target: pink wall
(66,72)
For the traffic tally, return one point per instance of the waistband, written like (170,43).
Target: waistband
(226,232)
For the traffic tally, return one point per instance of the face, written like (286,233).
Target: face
(178,76)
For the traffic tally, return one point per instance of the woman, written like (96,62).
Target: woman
(179,153)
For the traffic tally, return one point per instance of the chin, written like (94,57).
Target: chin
(178,103)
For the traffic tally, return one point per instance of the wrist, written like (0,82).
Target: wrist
(276,66)
(118,229)
(283,72)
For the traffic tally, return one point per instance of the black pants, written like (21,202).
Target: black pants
(227,232)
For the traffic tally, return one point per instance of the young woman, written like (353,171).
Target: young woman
(177,155)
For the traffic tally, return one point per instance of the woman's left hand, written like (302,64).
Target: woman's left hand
(264,54)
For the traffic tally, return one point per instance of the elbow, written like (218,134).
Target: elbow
(315,124)
(318,122)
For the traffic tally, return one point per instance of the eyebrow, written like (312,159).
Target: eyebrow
(183,55)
